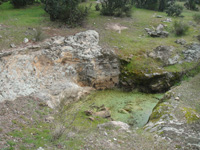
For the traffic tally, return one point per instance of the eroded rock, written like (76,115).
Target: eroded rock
(58,68)
(192,53)
(165,54)
(158,32)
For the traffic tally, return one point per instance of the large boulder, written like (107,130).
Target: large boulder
(61,67)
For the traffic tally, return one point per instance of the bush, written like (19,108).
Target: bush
(97,7)
(159,5)
(67,11)
(118,8)
(38,35)
(174,10)
(180,28)
(191,5)
(21,3)
(196,18)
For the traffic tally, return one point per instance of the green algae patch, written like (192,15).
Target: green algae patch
(191,115)
(133,108)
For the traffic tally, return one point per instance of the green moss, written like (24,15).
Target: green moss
(191,115)
(160,110)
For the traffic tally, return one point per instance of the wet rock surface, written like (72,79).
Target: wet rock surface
(60,67)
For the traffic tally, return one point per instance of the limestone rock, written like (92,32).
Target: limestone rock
(165,54)
(158,32)
(1,36)
(180,41)
(115,124)
(167,20)
(192,53)
(12,45)
(59,68)
(26,40)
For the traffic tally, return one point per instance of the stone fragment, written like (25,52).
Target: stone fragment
(12,45)
(26,40)
(158,32)
(115,124)
(180,41)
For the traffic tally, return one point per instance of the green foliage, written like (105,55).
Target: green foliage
(196,18)
(118,8)
(68,11)
(174,10)
(152,4)
(159,5)
(191,5)
(97,7)
(21,3)
(180,28)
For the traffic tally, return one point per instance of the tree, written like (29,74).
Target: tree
(191,5)
(174,10)
(21,3)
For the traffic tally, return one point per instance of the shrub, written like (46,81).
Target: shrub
(174,10)
(21,3)
(38,35)
(97,7)
(67,11)
(196,18)
(191,5)
(118,8)
(159,5)
(180,28)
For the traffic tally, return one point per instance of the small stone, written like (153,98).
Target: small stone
(105,133)
(49,119)
(180,41)
(40,148)
(177,98)
(1,36)
(12,45)
(26,40)
(158,16)
(91,118)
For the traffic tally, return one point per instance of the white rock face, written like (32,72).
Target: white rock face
(60,67)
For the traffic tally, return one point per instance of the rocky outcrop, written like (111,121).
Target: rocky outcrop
(192,53)
(165,55)
(149,83)
(177,117)
(60,67)
(158,32)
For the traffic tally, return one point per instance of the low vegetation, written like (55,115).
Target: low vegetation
(180,28)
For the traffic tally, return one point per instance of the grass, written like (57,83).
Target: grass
(131,42)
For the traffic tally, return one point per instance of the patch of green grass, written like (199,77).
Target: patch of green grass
(15,23)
